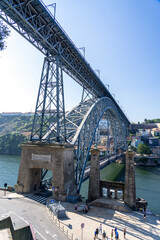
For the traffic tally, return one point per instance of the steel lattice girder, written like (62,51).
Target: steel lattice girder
(73,120)
(34,22)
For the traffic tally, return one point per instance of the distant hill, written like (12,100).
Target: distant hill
(15,124)
(10,144)
(14,130)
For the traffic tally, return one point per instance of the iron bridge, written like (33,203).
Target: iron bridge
(80,126)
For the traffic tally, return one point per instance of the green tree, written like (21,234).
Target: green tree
(4,33)
(157,120)
(10,144)
(143,149)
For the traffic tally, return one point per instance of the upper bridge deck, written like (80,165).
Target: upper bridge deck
(33,20)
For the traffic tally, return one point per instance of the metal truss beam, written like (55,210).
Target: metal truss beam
(34,22)
(73,119)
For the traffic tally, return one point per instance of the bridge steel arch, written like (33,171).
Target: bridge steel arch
(84,134)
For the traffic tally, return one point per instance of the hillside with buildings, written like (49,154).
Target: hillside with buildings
(145,140)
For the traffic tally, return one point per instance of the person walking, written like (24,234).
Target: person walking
(112,234)
(75,208)
(117,235)
(115,231)
(124,231)
(104,235)
(145,215)
(96,233)
(100,228)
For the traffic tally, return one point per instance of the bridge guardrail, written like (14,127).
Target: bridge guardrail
(102,164)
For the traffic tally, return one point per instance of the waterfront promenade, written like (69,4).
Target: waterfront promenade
(136,226)
(134,223)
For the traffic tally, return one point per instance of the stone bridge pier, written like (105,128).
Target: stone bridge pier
(59,158)
(130,188)
(94,180)
(96,185)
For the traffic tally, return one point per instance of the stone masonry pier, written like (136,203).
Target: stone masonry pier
(96,185)
(59,158)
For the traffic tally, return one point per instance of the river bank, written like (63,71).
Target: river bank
(147,179)
(146,160)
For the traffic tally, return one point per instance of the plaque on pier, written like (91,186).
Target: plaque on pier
(40,157)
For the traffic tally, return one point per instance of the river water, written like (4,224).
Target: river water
(147,179)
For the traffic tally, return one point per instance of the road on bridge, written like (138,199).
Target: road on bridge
(103,163)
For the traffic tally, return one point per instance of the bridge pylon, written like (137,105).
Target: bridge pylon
(50,107)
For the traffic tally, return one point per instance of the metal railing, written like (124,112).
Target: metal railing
(64,229)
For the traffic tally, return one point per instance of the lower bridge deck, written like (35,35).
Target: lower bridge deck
(103,163)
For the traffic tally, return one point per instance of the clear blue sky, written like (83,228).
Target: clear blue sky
(121,38)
